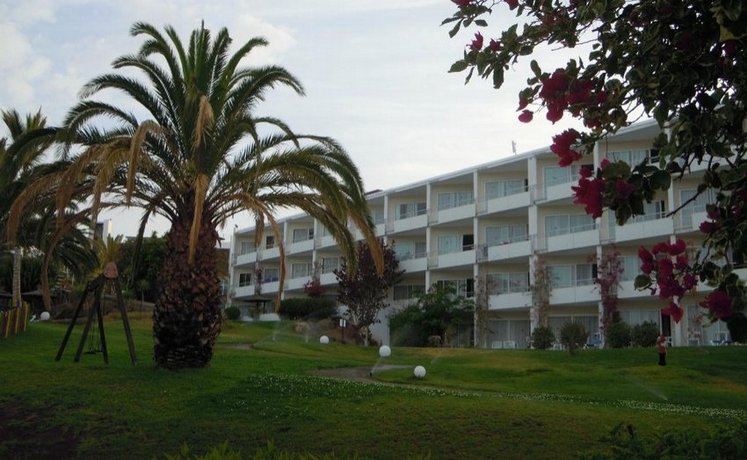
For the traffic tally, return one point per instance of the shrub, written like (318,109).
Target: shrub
(720,441)
(542,338)
(617,335)
(737,325)
(233,313)
(645,334)
(573,336)
(308,307)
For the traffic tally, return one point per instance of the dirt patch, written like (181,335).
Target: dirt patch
(25,433)
(237,346)
(358,374)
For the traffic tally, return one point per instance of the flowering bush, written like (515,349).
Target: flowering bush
(642,60)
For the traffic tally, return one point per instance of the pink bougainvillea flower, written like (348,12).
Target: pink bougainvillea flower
(660,248)
(561,147)
(462,3)
(605,162)
(554,85)
(476,44)
(674,311)
(645,255)
(585,171)
(678,247)
(719,304)
(526,116)
(589,193)
(708,227)
(495,45)
(647,267)
(512,3)
(623,189)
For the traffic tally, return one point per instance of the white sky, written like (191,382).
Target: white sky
(375,73)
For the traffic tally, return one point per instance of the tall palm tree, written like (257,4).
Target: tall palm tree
(62,241)
(198,159)
(20,157)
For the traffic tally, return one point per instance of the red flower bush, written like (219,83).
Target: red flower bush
(476,44)
(669,273)
(526,116)
(719,304)
(589,192)
(561,146)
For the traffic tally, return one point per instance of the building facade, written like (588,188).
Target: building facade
(490,226)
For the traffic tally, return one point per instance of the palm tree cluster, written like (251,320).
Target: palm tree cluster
(198,155)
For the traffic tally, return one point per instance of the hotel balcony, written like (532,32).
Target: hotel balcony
(510,300)
(508,250)
(642,227)
(579,237)
(461,212)
(453,259)
(627,290)
(295,247)
(408,223)
(294,284)
(557,191)
(413,262)
(582,292)
(246,259)
(504,203)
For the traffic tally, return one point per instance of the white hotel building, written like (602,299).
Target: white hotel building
(496,220)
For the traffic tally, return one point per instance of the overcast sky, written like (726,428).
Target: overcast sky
(375,73)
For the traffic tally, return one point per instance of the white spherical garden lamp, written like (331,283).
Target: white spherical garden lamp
(324,340)
(44,316)
(385,351)
(419,372)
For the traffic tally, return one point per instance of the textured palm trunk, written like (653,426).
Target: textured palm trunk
(16,277)
(187,316)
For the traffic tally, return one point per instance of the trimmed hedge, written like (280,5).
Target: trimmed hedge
(308,307)
(542,338)
(617,335)
(645,334)
(573,336)
(233,313)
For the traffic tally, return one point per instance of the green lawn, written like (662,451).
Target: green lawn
(472,403)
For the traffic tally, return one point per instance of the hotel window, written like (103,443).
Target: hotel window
(462,288)
(330,264)
(504,234)
(303,234)
(378,216)
(407,210)
(245,279)
(631,157)
(555,175)
(406,250)
(500,188)
(651,211)
(246,247)
(449,200)
(631,266)
(269,241)
(301,270)
(563,276)
(697,205)
(407,291)
(508,283)
(270,275)
(561,225)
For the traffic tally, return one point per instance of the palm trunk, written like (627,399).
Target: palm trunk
(187,317)
(17,300)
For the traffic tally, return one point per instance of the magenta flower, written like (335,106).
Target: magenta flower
(719,304)
(526,116)
(476,44)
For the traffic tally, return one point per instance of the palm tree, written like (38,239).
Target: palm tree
(20,157)
(62,241)
(197,160)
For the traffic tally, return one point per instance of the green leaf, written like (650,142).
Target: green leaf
(661,180)
(458,66)
(642,281)
(481,22)
(535,68)
(455,29)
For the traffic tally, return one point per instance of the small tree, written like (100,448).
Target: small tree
(482,310)
(644,334)
(573,336)
(618,335)
(365,290)
(542,337)
(610,268)
(313,287)
(540,289)
(434,314)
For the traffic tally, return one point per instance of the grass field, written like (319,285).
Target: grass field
(262,387)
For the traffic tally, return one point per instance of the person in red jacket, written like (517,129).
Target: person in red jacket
(662,350)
